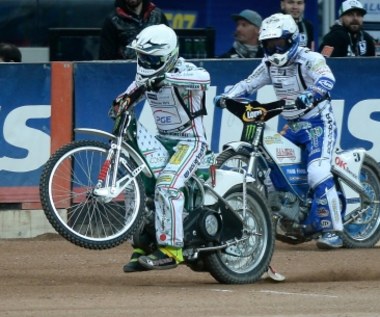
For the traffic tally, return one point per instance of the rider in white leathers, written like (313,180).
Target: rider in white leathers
(175,91)
(301,77)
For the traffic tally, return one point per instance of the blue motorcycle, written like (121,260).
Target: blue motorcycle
(279,169)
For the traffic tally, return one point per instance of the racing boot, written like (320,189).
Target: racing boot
(163,258)
(133,265)
(329,241)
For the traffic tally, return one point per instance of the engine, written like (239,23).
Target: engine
(286,204)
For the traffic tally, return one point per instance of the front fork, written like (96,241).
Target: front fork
(109,185)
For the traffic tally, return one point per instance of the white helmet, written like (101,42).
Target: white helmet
(157,49)
(279,26)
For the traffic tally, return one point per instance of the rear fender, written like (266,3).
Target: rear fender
(236,145)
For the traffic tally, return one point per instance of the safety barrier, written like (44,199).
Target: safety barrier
(42,103)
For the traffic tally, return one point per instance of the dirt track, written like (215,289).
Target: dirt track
(48,276)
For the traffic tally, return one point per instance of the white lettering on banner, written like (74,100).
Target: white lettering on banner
(362,126)
(37,143)
(17,133)
(360,112)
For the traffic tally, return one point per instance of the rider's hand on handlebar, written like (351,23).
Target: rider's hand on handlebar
(220,101)
(304,100)
(120,104)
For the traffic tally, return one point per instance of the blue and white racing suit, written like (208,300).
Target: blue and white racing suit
(178,106)
(315,129)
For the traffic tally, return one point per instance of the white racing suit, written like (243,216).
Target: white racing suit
(315,129)
(178,107)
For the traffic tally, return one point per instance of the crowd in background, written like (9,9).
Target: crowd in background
(346,37)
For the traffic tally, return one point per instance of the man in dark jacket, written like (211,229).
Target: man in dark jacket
(246,44)
(296,9)
(121,27)
(346,37)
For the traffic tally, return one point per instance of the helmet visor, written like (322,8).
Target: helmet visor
(150,61)
(275,46)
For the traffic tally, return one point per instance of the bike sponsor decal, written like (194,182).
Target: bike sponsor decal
(296,171)
(339,162)
(250,131)
(325,224)
(273,139)
(252,113)
(323,212)
(285,153)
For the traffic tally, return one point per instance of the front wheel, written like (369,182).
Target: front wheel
(238,161)
(249,259)
(364,230)
(74,210)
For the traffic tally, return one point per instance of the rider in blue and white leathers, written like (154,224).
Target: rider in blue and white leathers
(175,92)
(301,77)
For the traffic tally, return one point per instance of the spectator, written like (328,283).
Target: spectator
(9,53)
(296,9)
(122,26)
(246,35)
(346,36)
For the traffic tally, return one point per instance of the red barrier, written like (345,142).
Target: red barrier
(61,124)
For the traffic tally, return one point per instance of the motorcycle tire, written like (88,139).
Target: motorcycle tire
(76,213)
(238,161)
(364,231)
(249,259)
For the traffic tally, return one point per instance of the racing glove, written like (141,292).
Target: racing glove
(119,105)
(220,101)
(125,101)
(304,100)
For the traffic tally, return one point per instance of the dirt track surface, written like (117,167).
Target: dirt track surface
(48,276)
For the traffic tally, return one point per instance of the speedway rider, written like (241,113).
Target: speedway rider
(175,91)
(301,77)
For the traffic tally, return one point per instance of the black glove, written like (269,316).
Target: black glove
(304,100)
(120,104)
(220,101)
(125,101)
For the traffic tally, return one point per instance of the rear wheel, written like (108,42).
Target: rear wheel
(364,230)
(249,259)
(79,215)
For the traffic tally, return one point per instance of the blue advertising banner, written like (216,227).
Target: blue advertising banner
(356,99)
(24,118)
(25,110)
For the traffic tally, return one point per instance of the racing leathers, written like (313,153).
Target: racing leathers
(312,126)
(178,106)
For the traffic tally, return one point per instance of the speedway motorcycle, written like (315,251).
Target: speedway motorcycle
(98,193)
(280,173)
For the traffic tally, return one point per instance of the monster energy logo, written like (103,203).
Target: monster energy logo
(250,131)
